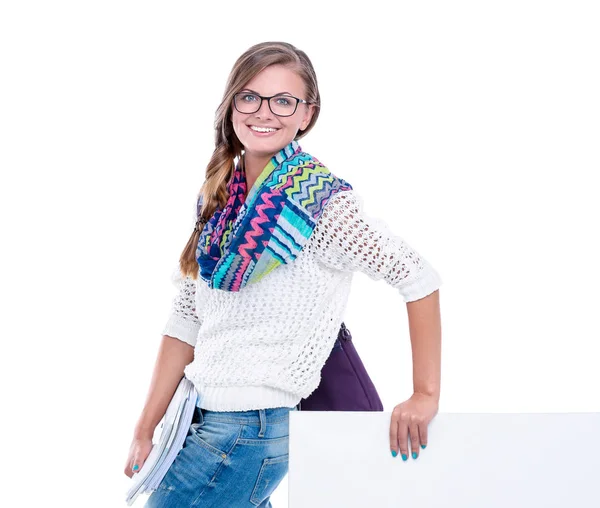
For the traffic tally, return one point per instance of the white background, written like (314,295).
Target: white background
(470,128)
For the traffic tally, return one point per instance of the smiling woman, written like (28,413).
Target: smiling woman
(263,285)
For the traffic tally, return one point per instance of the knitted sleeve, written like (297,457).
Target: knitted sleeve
(347,239)
(183,323)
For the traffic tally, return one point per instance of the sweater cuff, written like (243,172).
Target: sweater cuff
(426,283)
(182,329)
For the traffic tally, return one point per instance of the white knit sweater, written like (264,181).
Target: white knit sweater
(265,345)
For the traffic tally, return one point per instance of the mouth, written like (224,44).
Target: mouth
(262,131)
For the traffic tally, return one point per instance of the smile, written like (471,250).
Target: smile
(262,129)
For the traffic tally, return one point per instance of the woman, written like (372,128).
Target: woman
(263,286)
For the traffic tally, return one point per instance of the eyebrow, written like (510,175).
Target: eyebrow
(254,91)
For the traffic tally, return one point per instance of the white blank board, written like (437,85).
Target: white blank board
(343,459)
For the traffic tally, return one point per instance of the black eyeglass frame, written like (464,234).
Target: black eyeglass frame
(268,99)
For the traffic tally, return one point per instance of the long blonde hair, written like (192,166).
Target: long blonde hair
(227,145)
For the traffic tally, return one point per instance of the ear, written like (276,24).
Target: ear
(307,116)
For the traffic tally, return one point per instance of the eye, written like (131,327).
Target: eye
(248,97)
(283,101)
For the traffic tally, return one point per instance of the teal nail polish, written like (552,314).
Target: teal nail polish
(394,453)
(423,446)
(404,457)
(415,455)
(136,467)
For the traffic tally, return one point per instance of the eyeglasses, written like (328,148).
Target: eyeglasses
(280,105)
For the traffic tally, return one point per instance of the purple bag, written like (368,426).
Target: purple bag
(345,384)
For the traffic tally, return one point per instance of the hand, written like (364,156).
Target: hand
(138,453)
(412,417)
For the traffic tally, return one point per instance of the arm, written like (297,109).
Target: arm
(173,356)
(348,239)
(175,352)
(426,337)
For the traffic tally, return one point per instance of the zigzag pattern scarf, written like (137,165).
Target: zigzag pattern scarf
(255,234)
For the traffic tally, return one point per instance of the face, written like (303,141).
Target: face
(274,80)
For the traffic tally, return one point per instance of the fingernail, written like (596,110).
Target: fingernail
(404,456)
(394,453)
(415,455)
(423,446)
(136,467)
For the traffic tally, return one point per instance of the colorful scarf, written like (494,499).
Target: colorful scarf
(255,234)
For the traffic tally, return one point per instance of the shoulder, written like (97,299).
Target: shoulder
(344,199)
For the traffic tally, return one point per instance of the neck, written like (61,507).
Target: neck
(253,166)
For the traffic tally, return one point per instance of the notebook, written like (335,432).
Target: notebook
(174,427)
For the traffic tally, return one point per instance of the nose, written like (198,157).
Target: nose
(264,111)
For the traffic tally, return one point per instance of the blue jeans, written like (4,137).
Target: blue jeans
(229,459)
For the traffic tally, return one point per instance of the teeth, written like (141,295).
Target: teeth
(262,129)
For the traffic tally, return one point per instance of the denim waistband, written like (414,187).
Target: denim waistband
(251,417)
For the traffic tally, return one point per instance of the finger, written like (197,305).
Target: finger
(137,465)
(128,468)
(414,439)
(394,435)
(423,435)
(403,438)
